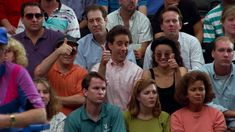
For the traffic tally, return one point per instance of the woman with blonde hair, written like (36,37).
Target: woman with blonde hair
(144,109)
(16,53)
(54,117)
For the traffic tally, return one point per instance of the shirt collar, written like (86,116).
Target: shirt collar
(231,73)
(118,64)
(102,114)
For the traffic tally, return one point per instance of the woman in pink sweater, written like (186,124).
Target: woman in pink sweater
(193,91)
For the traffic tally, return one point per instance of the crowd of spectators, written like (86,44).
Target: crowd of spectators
(117,65)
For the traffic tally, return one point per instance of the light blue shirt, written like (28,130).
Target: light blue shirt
(225,93)
(90,52)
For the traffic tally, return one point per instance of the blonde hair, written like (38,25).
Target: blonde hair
(19,52)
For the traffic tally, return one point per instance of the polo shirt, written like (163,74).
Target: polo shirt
(110,120)
(67,84)
(36,53)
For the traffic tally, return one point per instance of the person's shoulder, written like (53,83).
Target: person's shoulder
(113,14)
(83,40)
(19,35)
(52,33)
(214,11)
(80,69)
(164,114)
(76,114)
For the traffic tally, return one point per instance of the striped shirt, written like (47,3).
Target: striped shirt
(212,27)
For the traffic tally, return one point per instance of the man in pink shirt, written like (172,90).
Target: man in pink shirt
(121,74)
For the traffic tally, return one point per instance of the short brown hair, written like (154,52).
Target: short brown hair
(95,7)
(133,105)
(181,91)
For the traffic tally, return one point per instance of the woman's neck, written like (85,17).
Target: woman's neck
(195,108)
(145,113)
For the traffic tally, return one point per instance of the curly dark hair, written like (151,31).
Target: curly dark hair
(188,79)
(174,46)
(134,107)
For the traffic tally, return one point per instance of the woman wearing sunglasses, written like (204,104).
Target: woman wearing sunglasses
(144,109)
(167,71)
(194,91)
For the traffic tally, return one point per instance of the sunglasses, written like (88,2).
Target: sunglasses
(30,16)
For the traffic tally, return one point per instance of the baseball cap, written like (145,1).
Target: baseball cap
(69,39)
(3,36)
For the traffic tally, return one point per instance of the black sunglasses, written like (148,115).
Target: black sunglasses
(31,15)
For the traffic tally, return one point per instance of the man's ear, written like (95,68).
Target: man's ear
(84,92)
(213,53)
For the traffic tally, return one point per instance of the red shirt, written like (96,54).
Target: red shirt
(10,9)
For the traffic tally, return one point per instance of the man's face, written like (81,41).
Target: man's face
(96,22)
(172,2)
(68,59)
(32,18)
(229,25)
(128,5)
(171,24)
(119,48)
(223,53)
(96,91)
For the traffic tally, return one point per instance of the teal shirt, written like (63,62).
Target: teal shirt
(109,120)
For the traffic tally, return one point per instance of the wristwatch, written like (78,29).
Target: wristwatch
(12,120)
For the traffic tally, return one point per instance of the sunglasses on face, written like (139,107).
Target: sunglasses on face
(30,16)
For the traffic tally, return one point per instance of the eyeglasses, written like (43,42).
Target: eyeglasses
(166,55)
(30,16)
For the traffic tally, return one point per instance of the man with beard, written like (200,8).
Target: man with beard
(37,41)
(64,76)
(138,24)
(190,47)
(95,115)
(121,74)
(90,46)
(221,73)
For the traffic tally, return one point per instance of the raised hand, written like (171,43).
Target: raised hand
(65,48)
(172,62)
(105,55)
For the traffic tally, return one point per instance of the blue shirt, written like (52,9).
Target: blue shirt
(110,120)
(225,93)
(114,5)
(90,52)
(153,6)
